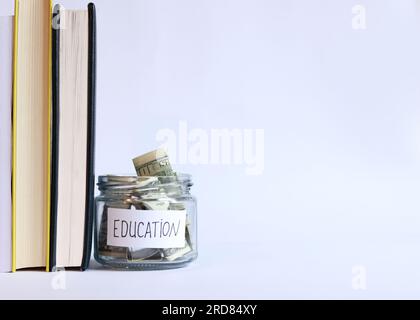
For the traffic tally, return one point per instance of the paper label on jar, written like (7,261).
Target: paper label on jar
(145,229)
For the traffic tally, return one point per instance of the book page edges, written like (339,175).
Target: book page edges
(48,192)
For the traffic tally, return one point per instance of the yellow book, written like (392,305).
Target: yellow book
(31,134)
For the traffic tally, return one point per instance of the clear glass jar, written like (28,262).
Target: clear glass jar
(145,222)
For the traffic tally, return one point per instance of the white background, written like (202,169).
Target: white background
(341,113)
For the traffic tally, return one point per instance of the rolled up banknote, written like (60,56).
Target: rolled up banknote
(152,164)
(156,163)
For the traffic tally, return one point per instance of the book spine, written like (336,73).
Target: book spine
(48,218)
(55,115)
(90,183)
(14,134)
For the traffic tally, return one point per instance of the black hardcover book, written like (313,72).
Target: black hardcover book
(73,132)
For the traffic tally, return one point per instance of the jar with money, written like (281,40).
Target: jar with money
(146,221)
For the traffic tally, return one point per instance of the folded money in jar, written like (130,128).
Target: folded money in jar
(146,221)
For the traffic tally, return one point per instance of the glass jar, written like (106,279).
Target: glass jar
(145,222)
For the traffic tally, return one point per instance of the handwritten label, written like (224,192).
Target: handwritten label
(145,229)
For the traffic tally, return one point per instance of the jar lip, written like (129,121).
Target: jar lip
(137,182)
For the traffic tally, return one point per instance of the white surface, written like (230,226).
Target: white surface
(340,110)
(6,65)
(300,267)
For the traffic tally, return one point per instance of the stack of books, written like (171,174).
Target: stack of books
(47,134)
